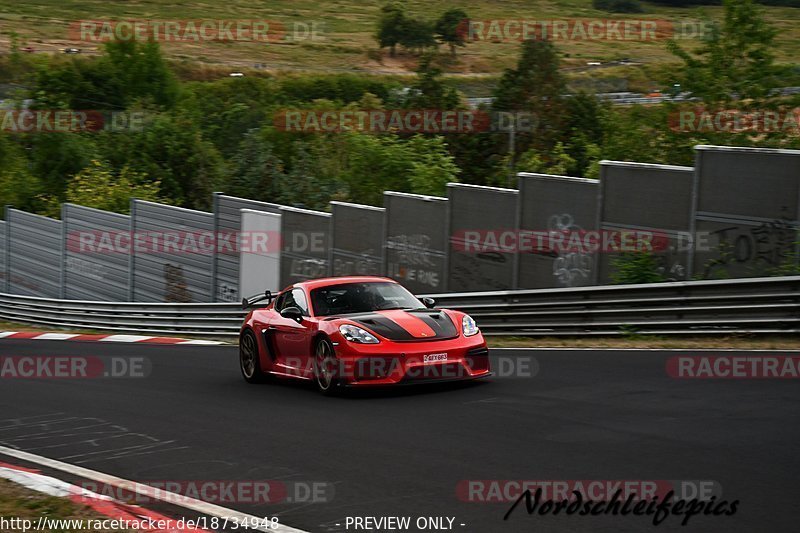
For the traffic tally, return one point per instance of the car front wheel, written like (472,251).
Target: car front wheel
(326,367)
(248,358)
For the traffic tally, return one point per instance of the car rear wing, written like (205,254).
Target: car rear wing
(263,299)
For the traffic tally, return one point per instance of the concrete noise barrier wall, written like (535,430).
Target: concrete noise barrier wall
(555,206)
(645,208)
(746,211)
(34,247)
(416,241)
(97,254)
(174,259)
(305,235)
(357,233)
(479,216)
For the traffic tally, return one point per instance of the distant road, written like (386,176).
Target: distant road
(628,98)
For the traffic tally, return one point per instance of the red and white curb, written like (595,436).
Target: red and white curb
(110,507)
(35,335)
(103,505)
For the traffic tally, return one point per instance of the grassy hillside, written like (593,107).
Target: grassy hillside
(347,31)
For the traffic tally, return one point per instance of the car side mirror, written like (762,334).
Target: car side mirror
(429,302)
(292,312)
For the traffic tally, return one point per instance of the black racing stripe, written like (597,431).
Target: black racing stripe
(383,326)
(439,322)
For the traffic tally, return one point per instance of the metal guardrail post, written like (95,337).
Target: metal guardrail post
(132,254)
(8,250)
(215,259)
(63,283)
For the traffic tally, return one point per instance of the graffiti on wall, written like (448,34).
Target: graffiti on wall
(309,268)
(412,259)
(574,267)
(365,265)
(175,284)
(761,248)
(227,292)
(86,269)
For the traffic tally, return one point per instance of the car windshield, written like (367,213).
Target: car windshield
(361,298)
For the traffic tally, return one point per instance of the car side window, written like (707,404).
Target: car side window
(299,299)
(280,302)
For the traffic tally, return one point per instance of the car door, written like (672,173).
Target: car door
(292,338)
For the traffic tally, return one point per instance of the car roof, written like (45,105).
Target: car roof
(326,282)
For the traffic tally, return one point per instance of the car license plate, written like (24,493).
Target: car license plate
(434,358)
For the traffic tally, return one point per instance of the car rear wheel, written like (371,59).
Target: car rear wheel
(326,367)
(248,358)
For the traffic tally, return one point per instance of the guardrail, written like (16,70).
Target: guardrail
(754,305)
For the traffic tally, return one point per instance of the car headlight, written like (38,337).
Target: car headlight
(356,334)
(468,326)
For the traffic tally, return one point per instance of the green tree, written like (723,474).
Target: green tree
(304,186)
(557,162)
(396,27)
(618,6)
(585,130)
(56,157)
(256,171)
(642,133)
(17,186)
(127,72)
(228,109)
(636,267)
(172,150)
(377,163)
(535,86)
(100,186)
(735,60)
(451,28)
(432,168)
(429,91)
(417,35)
(391,25)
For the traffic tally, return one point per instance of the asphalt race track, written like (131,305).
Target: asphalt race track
(584,415)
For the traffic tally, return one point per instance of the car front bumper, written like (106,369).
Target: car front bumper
(395,363)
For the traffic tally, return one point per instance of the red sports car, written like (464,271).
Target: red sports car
(357,331)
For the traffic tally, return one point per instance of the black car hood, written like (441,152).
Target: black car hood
(406,326)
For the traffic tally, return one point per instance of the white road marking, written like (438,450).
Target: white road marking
(145,490)
(114,338)
(55,336)
(48,485)
(125,338)
(42,423)
(18,419)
